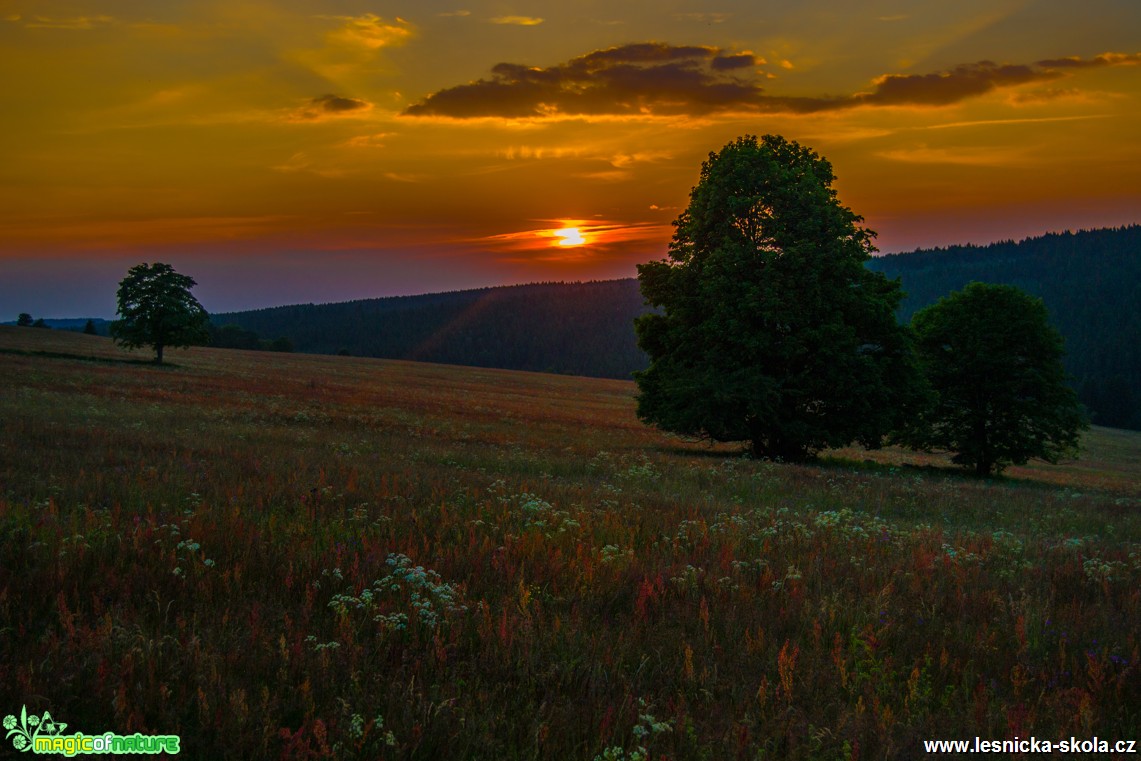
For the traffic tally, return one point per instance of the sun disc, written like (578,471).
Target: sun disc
(570,236)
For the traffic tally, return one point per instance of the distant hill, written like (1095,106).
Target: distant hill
(567,328)
(1090,281)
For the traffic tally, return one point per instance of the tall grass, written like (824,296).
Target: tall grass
(308,557)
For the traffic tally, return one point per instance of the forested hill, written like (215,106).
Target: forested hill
(567,328)
(1090,281)
(1091,284)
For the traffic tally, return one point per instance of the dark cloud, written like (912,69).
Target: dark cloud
(644,52)
(640,78)
(336,104)
(659,79)
(726,62)
(944,88)
(328,106)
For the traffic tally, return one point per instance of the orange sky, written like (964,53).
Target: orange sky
(283,151)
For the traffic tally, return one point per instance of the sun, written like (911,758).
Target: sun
(570,236)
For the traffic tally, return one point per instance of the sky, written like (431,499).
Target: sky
(296,151)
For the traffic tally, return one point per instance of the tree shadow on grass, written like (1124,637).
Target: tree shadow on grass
(725,451)
(89,358)
(956,473)
(707,452)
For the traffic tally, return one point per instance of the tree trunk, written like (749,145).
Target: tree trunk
(777,450)
(158,354)
(984,463)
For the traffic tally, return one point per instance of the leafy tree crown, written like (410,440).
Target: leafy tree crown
(769,328)
(995,364)
(157,309)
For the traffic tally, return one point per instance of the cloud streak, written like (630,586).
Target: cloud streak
(370,31)
(517,20)
(659,79)
(1105,59)
(75,22)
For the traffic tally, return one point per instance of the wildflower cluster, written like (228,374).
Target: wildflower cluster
(408,593)
(540,515)
(647,728)
(188,554)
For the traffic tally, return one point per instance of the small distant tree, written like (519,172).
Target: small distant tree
(158,310)
(24,320)
(995,364)
(89,328)
(39,323)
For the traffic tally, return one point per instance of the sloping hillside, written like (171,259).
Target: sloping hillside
(567,328)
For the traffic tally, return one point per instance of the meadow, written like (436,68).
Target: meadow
(300,557)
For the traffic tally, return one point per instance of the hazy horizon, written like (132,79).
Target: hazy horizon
(114,278)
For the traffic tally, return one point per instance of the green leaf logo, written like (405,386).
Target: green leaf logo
(24,731)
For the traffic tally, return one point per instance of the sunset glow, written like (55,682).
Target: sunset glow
(282,152)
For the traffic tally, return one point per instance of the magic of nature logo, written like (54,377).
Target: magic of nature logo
(43,734)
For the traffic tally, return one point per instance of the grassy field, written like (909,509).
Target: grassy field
(289,556)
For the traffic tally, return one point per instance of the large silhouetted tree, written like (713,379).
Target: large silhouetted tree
(995,364)
(769,329)
(157,309)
